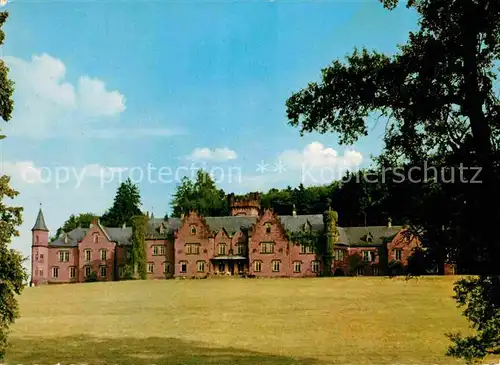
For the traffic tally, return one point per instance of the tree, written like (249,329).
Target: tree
(201,195)
(12,273)
(125,207)
(139,254)
(82,220)
(437,95)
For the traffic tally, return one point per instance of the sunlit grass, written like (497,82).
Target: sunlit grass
(238,321)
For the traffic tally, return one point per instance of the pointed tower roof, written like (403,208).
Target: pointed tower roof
(40,222)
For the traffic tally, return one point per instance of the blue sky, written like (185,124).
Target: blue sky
(120,84)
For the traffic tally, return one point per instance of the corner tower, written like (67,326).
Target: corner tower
(248,205)
(39,251)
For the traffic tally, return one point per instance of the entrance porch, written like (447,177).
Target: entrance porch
(229,265)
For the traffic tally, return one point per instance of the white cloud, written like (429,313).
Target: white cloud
(318,156)
(48,105)
(26,172)
(95,100)
(316,164)
(216,155)
(22,171)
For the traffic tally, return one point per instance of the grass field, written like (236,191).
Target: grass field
(236,321)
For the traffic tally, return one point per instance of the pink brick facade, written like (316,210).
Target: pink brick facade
(251,243)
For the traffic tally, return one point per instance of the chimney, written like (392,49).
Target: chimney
(182,215)
(389,222)
(93,223)
(294,213)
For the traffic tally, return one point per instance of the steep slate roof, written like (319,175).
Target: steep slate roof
(294,224)
(355,236)
(231,224)
(40,222)
(351,236)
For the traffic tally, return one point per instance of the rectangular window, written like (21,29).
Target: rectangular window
(151,268)
(87,271)
(155,250)
(192,248)
(63,256)
(72,272)
(297,266)
(240,249)
(55,272)
(166,268)
(267,247)
(102,271)
(121,271)
(276,266)
(315,266)
(368,256)
(104,255)
(339,254)
(222,248)
(200,266)
(41,257)
(183,267)
(302,249)
(162,250)
(257,266)
(398,253)
(309,249)
(88,255)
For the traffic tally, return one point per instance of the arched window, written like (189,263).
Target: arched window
(268,227)
(193,230)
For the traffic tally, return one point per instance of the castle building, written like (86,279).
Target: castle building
(250,241)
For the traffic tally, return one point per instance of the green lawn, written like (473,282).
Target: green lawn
(238,321)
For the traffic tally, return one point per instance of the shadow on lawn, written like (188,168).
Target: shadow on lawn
(123,351)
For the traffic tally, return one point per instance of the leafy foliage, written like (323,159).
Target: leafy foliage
(354,262)
(82,220)
(139,250)
(126,205)
(201,195)
(12,273)
(481,298)
(437,95)
(92,278)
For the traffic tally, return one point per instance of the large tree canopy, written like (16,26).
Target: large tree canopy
(125,206)
(201,195)
(82,220)
(441,107)
(12,273)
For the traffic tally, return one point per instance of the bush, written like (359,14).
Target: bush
(92,278)
(396,268)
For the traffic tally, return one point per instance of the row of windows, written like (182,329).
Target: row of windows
(267,225)
(158,250)
(194,249)
(363,271)
(87,270)
(64,255)
(276,266)
(166,268)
